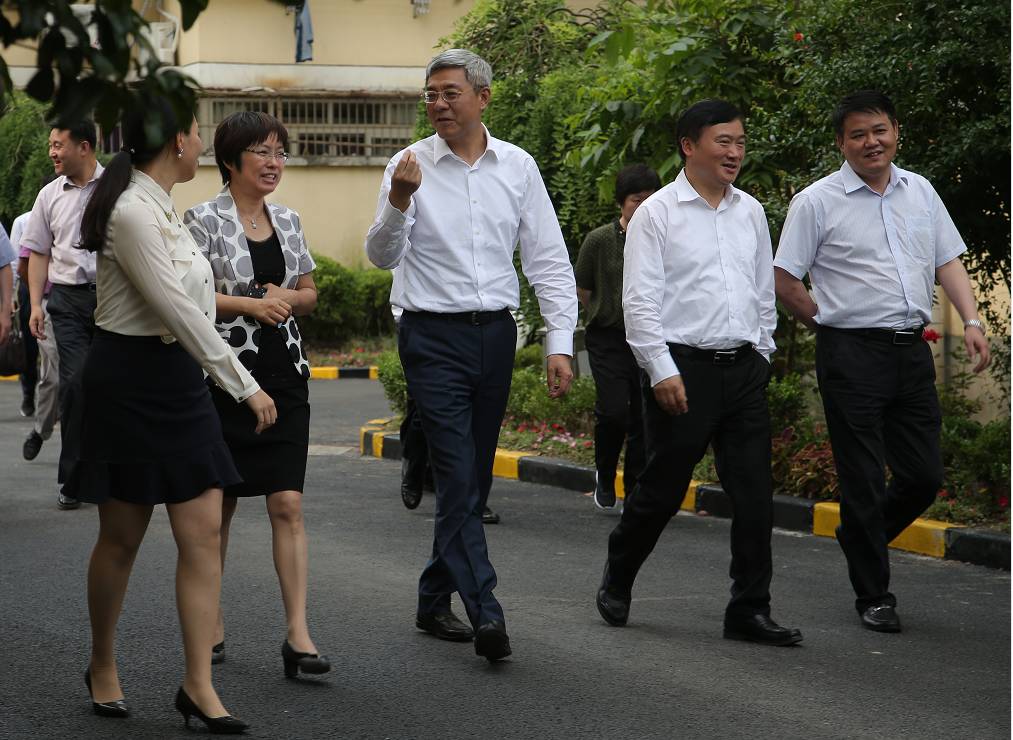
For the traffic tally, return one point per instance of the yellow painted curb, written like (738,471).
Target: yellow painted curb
(324,373)
(688,503)
(924,536)
(9,377)
(371,426)
(378,444)
(374,372)
(826,517)
(505,464)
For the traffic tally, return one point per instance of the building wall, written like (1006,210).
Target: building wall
(336,207)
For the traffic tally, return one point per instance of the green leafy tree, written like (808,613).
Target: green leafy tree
(79,79)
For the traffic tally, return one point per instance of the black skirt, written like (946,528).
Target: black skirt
(275,459)
(150,433)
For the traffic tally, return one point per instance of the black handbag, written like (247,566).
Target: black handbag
(12,352)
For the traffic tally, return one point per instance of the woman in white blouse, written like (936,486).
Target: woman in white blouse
(151,434)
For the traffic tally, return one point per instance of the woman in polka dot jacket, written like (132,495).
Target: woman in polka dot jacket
(263,280)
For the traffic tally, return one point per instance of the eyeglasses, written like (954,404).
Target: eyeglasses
(449,96)
(265,155)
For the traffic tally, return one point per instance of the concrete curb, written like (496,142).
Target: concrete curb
(821,518)
(316,373)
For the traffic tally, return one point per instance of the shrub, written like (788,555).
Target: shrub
(532,356)
(350,303)
(24,155)
(391,376)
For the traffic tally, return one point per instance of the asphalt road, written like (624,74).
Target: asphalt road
(668,675)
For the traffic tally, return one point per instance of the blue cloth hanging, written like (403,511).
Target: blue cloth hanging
(303,34)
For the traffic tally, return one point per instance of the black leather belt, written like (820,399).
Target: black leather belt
(901,337)
(714,356)
(79,286)
(473,318)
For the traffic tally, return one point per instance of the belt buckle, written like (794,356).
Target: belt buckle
(903,337)
(473,318)
(725,356)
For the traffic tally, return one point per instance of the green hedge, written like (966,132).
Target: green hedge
(350,303)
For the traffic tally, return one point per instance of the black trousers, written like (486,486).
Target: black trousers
(72,311)
(459,375)
(618,406)
(30,376)
(727,408)
(882,409)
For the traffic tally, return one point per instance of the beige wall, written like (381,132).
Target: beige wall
(337,204)
(346,32)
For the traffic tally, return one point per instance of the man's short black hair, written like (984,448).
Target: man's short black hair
(240,131)
(862,101)
(699,116)
(635,178)
(79,131)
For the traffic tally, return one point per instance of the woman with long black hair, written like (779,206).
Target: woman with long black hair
(151,434)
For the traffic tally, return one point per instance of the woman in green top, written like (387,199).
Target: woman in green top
(599,274)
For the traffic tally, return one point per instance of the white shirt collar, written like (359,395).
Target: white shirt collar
(685,191)
(441,148)
(153,189)
(66,182)
(853,182)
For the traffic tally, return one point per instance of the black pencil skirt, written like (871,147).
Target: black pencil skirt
(150,433)
(275,459)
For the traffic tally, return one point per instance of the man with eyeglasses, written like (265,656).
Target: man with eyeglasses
(452,210)
(52,235)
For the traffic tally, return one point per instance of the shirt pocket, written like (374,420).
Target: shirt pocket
(181,252)
(918,240)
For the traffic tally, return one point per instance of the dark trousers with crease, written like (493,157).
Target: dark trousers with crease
(72,311)
(459,376)
(618,405)
(882,410)
(30,377)
(728,409)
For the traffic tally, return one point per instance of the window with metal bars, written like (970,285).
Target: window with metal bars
(352,131)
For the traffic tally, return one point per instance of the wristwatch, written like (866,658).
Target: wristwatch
(976,323)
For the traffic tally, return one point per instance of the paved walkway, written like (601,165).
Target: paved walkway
(668,675)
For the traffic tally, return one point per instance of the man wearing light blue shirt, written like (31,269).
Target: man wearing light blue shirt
(873,239)
(452,210)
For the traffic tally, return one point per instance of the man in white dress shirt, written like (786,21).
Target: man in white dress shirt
(52,235)
(698,302)
(874,238)
(452,210)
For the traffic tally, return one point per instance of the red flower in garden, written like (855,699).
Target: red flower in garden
(931,335)
(799,36)
(1004,502)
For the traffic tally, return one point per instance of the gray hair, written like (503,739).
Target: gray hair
(476,69)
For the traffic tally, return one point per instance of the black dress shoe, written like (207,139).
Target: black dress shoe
(411,485)
(305,662)
(218,653)
(613,607)
(445,626)
(67,503)
(604,493)
(32,445)
(881,618)
(116,708)
(489,516)
(226,725)
(762,629)
(491,641)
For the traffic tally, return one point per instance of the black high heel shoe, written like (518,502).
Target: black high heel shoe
(305,662)
(116,708)
(218,653)
(227,725)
